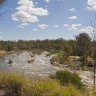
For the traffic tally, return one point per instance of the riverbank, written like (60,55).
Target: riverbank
(37,66)
(2,52)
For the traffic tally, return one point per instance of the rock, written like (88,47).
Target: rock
(2,93)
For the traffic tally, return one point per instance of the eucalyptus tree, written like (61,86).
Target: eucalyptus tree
(83,44)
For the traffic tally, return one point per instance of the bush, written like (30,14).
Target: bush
(66,78)
(93,93)
(12,83)
(61,58)
(49,88)
(53,51)
(16,85)
(1,56)
(10,62)
(54,61)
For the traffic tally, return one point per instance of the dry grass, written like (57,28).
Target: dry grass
(16,85)
(74,58)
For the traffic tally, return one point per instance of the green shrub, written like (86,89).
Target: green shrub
(54,61)
(61,58)
(10,62)
(49,88)
(11,83)
(16,85)
(66,77)
(93,93)
(53,51)
(1,56)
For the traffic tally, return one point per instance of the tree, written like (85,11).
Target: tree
(93,32)
(83,44)
(68,49)
(83,41)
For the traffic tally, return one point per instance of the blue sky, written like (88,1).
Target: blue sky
(46,19)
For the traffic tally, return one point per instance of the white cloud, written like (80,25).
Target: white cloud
(73,27)
(28,12)
(47,1)
(88,29)
(26,3)
(43,26)
(66,25)
(55,26)
(73,17)
(24,17)
(22,25)
(38,11)
(72,10)
(91,4)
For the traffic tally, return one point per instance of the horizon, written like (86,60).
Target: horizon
(36,39)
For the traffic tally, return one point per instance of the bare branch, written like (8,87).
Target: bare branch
(2,2)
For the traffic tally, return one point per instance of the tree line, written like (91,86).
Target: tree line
(78,47)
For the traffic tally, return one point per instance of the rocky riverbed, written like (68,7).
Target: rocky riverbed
(29,64)
(37,66)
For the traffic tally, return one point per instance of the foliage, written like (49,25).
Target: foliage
(71,47)
(15,85)
(11,83)
(66,77)
(84,46)
(61,58)
(53,51)
(10,62)
(93,93)
(55,61)
(1,56)
(83,40)
(49,88)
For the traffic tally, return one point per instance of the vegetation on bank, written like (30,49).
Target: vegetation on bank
(63,84)
(65,78)
(1,56)
(82,46)
(14,84)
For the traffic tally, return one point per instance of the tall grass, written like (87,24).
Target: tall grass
(16,85)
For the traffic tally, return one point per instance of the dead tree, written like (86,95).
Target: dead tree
(2,1)
(93,34)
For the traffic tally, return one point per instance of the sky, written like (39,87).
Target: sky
(46,19)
